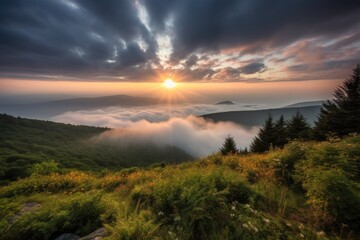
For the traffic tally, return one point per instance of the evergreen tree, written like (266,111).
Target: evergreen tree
(229,146)
(265,138)
(297,127)
(341,115)
(280,132)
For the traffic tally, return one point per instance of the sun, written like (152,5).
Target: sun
(169,83)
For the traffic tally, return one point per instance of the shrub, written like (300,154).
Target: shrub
(79,214)
(327,175)
(193,206)
(285,163)
(139,226)
(45,168)
(252,176)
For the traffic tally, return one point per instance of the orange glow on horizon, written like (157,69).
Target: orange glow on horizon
(184,91)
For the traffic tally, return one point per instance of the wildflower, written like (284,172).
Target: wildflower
(232,215)
(161,213)
(233,208)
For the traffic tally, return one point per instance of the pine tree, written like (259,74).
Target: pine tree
(341,115)
(297,128)
(280,133)
(229,146)
(265,138)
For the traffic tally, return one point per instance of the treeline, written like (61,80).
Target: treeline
(25,143)
(339,117)
(279,133)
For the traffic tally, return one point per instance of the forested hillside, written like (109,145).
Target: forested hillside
(24,142)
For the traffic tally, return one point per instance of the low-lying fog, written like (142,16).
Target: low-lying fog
(175,125)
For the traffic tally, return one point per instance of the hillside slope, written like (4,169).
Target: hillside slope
(304,191)
(24,142)
(306,104)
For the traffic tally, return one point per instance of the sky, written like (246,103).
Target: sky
(246,50)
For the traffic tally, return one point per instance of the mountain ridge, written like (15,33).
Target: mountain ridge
(47,109)
(252,118)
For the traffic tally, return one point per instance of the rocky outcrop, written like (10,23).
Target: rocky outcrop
(96,235)
(25,208)
(68,236)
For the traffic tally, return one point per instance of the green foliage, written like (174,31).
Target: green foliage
(45,168)
(229,146)
(330,177)
(79,214)
(297,128)
(139,226)
(341,116)
(195,206)
(276,135)
(280,133)
(285,163)
(253,196)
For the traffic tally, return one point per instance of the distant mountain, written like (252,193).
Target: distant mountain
(253,118)
(306,104)
(225,103)
(49,109)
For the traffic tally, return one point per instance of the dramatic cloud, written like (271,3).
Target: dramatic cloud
(202,40)
(253,68)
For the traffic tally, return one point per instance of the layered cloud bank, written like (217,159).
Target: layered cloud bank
(195,135)
(115,117)
(164,126)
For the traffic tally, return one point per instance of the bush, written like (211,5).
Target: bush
(328,175)
(285,163)
(194,206)
(139,226)
(45,168)
(79,215)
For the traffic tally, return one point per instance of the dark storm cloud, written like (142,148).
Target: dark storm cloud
(191,61)
(77,38)
(92,39)
(253,68)
(254,24)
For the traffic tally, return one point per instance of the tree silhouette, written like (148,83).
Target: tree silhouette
(280,132)
(341,115)
(297,128)
(229,146)
(266,137)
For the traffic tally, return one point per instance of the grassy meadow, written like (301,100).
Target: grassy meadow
(308,190)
